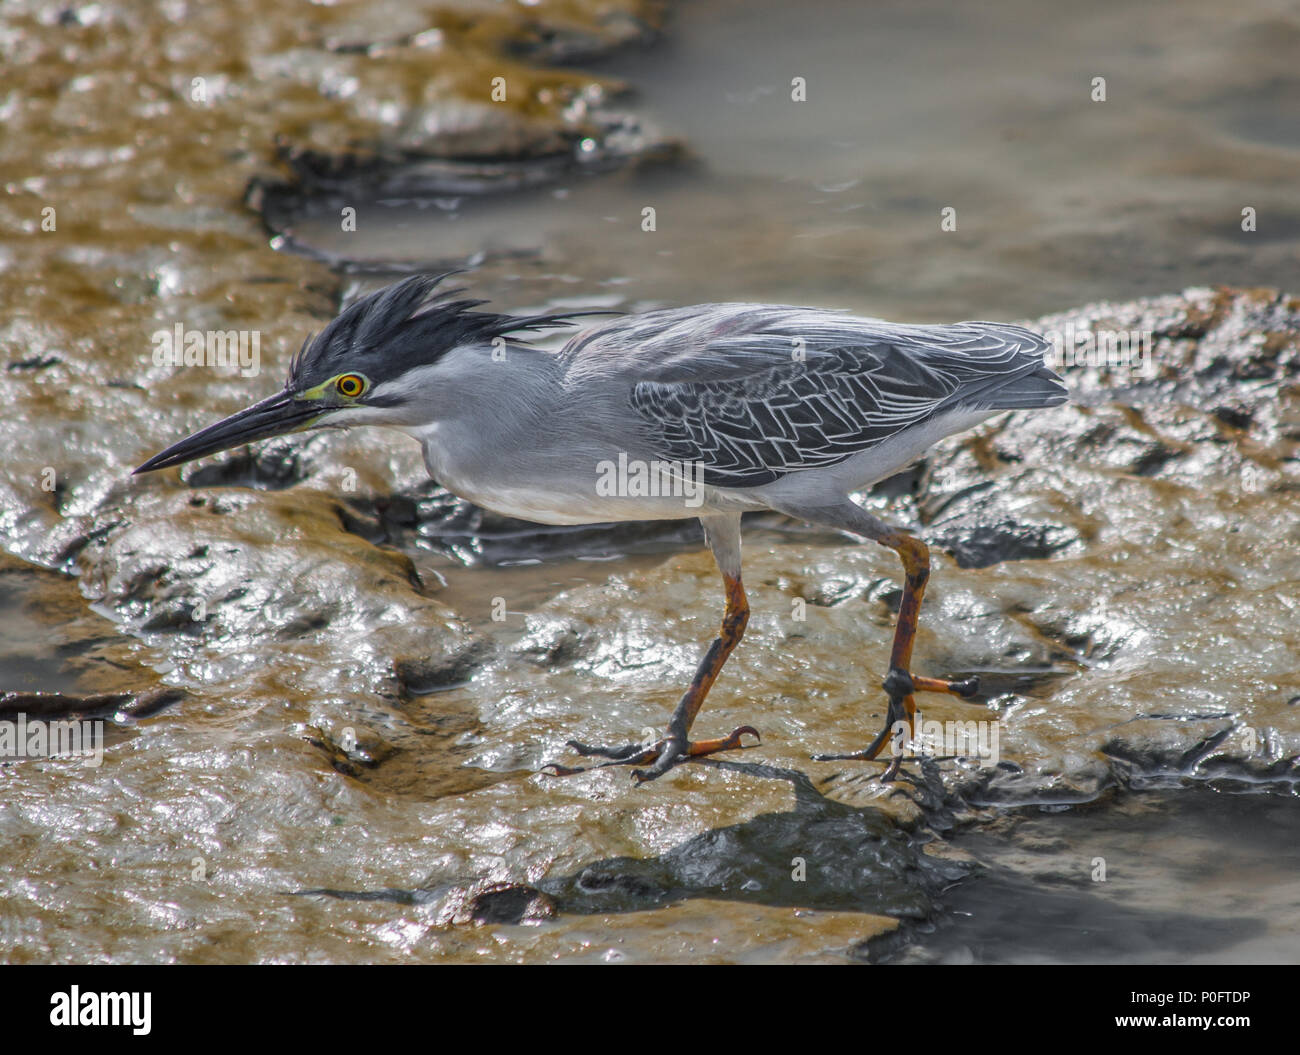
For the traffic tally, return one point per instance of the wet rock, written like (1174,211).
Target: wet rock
(275,602)
(1159,414)
(120,706)
(551,641)
(823,854)
(481,902)
(1085,635)
(428,674)
(1216,751)
(350,752)
(1134,551)
(510,903)
(435,169)
(1041,785)
(272,466)
(988,544)
(53,646)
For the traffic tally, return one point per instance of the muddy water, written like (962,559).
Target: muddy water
(372,674)
(912,108)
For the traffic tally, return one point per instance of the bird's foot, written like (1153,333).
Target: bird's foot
(900,685)
(659,757)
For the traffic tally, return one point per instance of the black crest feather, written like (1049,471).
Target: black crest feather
(404,325)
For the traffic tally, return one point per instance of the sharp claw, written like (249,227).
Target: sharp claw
(557,770)
(664,755)
(644,776)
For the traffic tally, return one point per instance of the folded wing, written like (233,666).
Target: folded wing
(800,389)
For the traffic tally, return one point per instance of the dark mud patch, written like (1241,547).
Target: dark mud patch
(989,544)
(272,466)
(453,666)
(118,706)
(822,854)
(418,756)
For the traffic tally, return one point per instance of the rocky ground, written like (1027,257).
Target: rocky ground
(294,647)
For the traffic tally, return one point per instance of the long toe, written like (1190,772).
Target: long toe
(659,757)
(734,741)
(630,755)
(867,754)
(618,754)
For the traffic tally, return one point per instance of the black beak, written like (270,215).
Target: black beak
(275,416)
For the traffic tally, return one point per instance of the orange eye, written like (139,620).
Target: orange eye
(350,385)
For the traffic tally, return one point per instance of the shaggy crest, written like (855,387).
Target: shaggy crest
(408,324)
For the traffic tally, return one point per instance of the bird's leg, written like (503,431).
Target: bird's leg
(723,536)
(901,683)
(676,746)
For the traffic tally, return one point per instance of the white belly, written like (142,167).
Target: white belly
(538,493)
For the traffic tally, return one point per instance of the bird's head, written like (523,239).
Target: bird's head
(375,364)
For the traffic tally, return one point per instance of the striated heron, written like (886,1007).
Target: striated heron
(707,411)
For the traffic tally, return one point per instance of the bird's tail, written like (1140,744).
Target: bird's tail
(1040,388)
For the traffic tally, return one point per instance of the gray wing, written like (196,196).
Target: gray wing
(751,393)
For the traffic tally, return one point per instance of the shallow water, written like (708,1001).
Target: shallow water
(352,773)
(912,107)
(1195,875)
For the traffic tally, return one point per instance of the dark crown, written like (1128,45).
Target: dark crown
(392,330)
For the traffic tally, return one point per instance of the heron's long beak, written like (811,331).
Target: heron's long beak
(275,416)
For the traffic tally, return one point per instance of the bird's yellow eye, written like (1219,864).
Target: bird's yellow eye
(350,385)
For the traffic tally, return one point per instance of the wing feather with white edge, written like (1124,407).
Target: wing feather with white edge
(762,411)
